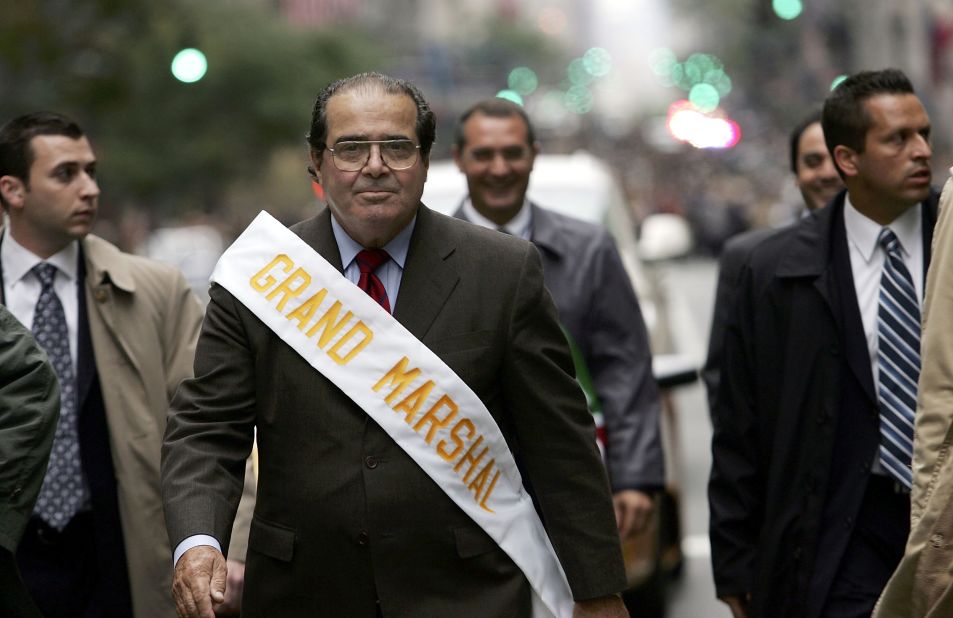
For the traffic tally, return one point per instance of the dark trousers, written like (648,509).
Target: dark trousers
(874,551)
(63,574)
(15,601)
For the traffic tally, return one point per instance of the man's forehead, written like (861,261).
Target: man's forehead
(365,111)
(56,149)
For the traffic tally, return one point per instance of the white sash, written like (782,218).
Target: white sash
(425,407)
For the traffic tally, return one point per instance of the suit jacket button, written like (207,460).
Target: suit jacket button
(363,538)
(936,540)
(370,461)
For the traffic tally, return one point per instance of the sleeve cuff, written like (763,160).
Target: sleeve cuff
(193,541)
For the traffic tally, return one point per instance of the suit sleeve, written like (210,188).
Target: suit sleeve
(210,432)
(619,359)
(735,489)
(556,441)
(29,410)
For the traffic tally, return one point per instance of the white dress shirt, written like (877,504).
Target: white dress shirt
(867,259)
(21,288)
(521,225)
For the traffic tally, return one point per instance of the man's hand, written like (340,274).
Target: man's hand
(632,511)
(198,583)
(234,585)
(609,606)
(738,605)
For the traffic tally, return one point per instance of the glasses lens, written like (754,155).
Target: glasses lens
(399,154)
(351,156)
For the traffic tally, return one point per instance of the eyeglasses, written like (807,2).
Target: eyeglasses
(397,154)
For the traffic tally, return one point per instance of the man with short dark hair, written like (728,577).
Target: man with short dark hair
(495,148)
(809,489)
(358,516)
(120,331)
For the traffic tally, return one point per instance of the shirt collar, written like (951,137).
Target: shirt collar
(520,225)
(397,248)
(18,261)
(864,232)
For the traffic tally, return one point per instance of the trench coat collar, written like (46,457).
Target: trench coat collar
(547,232)
(103,267)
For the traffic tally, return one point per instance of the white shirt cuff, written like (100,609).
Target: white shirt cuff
(193,541)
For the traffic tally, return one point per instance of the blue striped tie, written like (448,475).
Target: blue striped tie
(898,360)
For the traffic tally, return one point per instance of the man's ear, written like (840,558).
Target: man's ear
(846,160)
(13,190)
(314,170)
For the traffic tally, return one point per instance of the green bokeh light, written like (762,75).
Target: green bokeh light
(510,95)
(597,61)
(704,97)
(787,9)
(578,75)
(578,100)
(523,80)
(837,81)
(662,60)
(720,80)
(189,65)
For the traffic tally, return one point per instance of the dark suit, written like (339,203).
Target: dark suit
(583,271)
(344,517)
(796,427)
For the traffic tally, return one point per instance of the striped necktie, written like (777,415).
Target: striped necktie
(898,360)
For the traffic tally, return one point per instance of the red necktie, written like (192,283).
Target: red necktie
(368,261)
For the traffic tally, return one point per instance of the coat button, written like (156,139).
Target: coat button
(17,490)
(363,538)
(370,461)
(101,296)
(936,540)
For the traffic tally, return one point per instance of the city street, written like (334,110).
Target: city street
(692,284)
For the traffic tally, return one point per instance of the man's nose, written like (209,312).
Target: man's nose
(90,187)
(499,166)
(922,148)
(375,165)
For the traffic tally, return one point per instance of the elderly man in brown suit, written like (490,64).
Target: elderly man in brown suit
(922,585)
(347,523)
(120,331)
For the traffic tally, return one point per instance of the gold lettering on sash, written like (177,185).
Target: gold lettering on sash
(328,322)
(457,440)
(399,377)
(437,423)
(335,350)
(412,403)
(289,291)
(468,457)
(261,285)
(476,485)
(306,310)
(489,491)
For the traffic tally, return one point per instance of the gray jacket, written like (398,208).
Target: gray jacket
(584,273)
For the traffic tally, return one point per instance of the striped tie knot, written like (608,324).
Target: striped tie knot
(369,260)
(890,243)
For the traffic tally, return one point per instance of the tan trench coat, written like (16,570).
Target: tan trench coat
(144,322)
(922,585)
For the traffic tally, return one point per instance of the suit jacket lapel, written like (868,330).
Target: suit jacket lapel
(428,277)
(317,232)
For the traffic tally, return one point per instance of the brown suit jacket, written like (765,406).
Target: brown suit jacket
(344,517)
